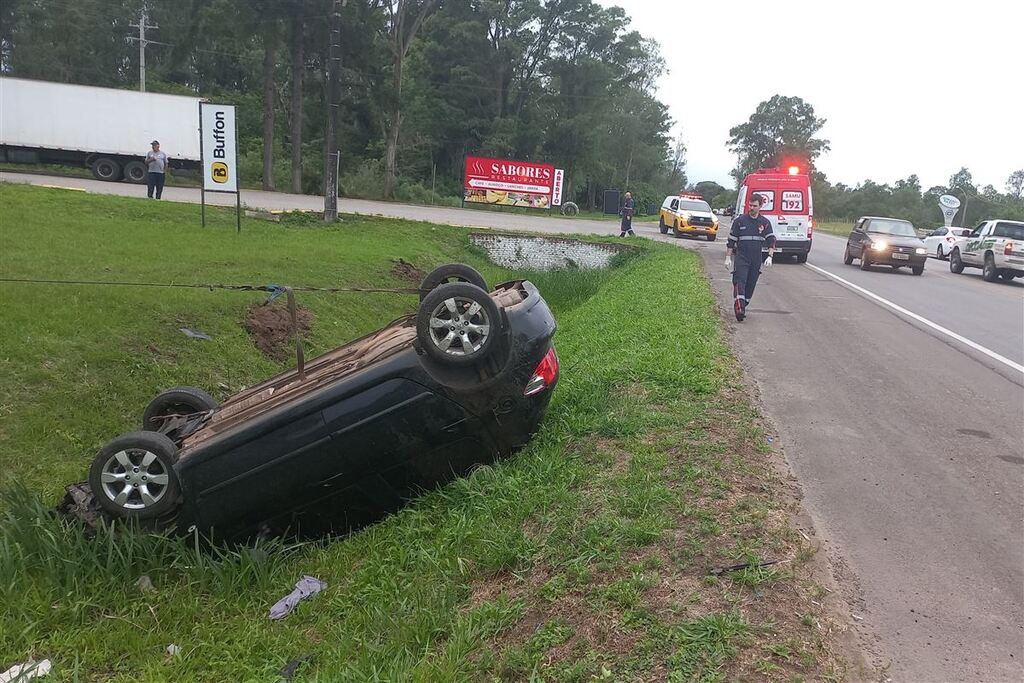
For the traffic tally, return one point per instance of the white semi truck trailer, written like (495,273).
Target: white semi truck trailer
(104,129)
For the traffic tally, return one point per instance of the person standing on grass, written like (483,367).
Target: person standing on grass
(627,216)
(750,232)
(156,164)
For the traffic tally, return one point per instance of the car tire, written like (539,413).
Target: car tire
(661,225)
(711,238)
(865,262)
(133,476)
(176,401)
(956,264)
(939,253)
(988,271)
(135,172)
(675,229)
(570,209)
(917,270)
(106,169)
(451,272)
(847,257)
(801,258)
(1007,277)
(442,322)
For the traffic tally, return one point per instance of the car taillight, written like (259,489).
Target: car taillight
(1008,249)
(545,374)
(810,222)
(810,229)
(950,239)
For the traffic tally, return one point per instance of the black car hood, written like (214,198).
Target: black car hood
(895,240)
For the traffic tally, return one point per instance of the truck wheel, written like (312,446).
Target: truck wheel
(451,272)
(801,258)
(135,172)
(107,169)
(661,225)
(956,265)
(175,401)
(711,238)
(457,324)
(675,229)
(570,209)
(133,476)
(988,271)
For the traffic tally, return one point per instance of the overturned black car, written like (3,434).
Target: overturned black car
(349,436)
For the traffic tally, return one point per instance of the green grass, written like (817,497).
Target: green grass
(840,228)
(583,558)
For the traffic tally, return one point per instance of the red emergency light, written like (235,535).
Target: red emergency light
(793,170)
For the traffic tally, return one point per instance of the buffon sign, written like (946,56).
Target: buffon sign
(220,164)
(949,205)
(511,183)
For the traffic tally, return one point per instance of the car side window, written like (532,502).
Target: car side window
(940,232)
(978,231)
(675,204)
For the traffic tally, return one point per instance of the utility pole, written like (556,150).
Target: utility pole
(331,158)
(142,26)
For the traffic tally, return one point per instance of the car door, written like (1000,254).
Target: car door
(857,237)
(973,246)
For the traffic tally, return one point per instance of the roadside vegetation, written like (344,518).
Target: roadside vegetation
(588,556)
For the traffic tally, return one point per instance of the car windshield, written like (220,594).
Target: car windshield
(888,226)
(688,205)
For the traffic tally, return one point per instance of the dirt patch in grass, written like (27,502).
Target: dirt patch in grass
(406,272)
(271,328)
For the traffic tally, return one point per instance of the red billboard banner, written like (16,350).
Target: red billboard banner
(509,183)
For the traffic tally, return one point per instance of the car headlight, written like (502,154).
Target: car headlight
(920,250)
(880,245)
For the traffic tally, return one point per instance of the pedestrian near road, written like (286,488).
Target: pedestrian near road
(627,216)
(749,234)
(156,164)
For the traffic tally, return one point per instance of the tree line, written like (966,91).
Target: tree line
(404,90)
(417,85)
(783,130)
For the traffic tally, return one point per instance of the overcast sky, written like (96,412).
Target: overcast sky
(907,86)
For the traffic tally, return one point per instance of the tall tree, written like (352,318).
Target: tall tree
(779,129)
(405,17)
(271,30)
(298,38)
(1015,184)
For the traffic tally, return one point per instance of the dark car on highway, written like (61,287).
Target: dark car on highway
(350,435)
(878,241)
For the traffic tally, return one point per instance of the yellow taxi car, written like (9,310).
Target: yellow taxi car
(688,214)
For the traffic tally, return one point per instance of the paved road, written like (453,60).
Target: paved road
(905,427)
(909,447)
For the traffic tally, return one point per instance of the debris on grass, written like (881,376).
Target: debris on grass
(745,565)
(173,650)
(194,334)
(26,672)
(271,328)
(305,587)
(144,584)
(289,670)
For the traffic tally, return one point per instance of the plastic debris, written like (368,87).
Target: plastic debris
(304,588)
(144,584)
(173,650)
(26,672)
(195,334)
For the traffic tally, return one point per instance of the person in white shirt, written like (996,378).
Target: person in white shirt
(156,164)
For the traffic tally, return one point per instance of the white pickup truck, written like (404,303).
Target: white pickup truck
(996,246)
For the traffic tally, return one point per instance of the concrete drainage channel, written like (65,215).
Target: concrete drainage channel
(518,252)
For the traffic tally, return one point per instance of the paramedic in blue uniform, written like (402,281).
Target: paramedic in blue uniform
(750,233)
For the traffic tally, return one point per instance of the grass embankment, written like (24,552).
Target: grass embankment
(586,557)
(838,228)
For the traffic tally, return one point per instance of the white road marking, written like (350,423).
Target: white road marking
(924,321)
